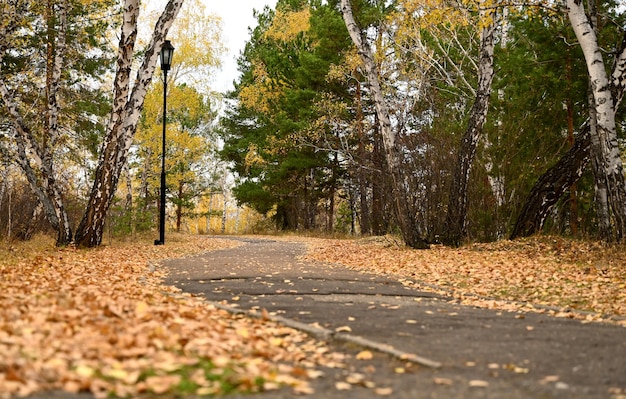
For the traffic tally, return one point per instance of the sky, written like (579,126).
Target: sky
(237,16)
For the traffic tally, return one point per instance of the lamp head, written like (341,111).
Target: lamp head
(167,52)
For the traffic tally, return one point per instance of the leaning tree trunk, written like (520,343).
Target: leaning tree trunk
(606,151)
(552,185)
(457,207)
(35,159)
(555,182)
(406,220)
(124,117)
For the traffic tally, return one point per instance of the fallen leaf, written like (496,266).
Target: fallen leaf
(478,384)
(112,322)
(342,386)
(364,355)
(355,378)
(520,370)
(549,379)
(383,391)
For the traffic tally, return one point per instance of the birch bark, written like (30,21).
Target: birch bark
(125,115)
(457,208)
(553,184)
(35,159)
(604,146)
(406,220)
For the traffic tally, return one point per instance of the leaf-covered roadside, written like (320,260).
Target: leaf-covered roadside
(552,271)
(99,321)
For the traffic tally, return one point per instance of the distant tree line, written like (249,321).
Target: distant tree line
(442,121)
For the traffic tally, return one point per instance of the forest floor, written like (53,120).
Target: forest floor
(102,321)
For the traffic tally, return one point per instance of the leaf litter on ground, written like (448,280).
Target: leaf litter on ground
(566,277)
(101,321)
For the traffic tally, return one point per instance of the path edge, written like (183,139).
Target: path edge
(329,335)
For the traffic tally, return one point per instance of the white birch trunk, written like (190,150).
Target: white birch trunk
(125,115)
(36,160)
(554,183)
(606,144)
(618,77)
(406,221)
(458,204)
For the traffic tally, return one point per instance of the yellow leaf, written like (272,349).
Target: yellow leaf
(84,371)
(383,391)
(141,308)
(364,355)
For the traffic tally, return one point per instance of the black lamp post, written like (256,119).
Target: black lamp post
(167,51)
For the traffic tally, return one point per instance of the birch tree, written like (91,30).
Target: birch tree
(610,189)
(406,219)
(127,105)
(40,138)
(553,184)
(35,157)
(458,204)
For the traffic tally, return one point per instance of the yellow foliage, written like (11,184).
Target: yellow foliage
(430,13)
(253,158)
(286,25)
(352,61)
(260,94)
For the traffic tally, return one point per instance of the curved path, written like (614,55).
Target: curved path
(482,353)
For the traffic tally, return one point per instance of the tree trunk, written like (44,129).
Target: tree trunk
(379,182)
(224,213)
(364,224)
(35,160)
(604,142)
(551,186)
(573,198)
(179,206)
(456,218)
(406,220)
(601,196)
(124,117)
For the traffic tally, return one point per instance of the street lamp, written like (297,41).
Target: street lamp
(167,52)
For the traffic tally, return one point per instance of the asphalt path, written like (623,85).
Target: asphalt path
(424,345)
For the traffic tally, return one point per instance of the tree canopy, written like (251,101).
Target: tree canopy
(303,132)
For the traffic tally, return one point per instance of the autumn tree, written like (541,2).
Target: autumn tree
(187,147)
(274,133)
(407,222)
(191,110)
(127,105)
(551,186)
(456,217)
(44,93)
(610,189)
